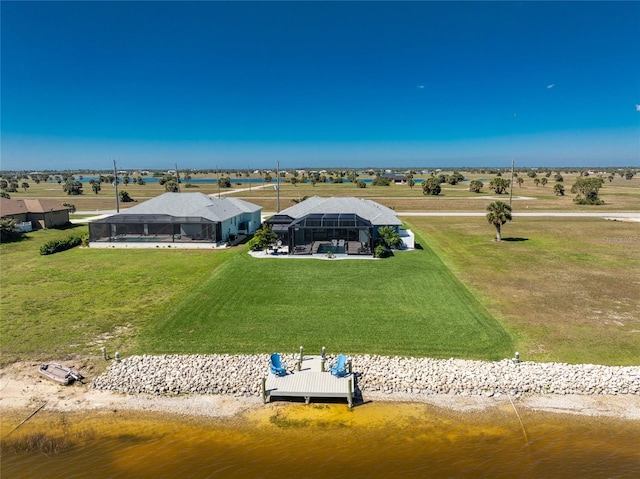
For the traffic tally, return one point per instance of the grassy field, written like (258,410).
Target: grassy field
(620,194)
(562,289)
(569,287)
(150,301)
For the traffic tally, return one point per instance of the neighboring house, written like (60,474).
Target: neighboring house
(340,225)
(42,214)
(395,178)
(187,220)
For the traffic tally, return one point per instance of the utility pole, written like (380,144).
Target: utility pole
(511,189)
(218,180)
(115,176)
(278,186)
(177,177)
(249,176)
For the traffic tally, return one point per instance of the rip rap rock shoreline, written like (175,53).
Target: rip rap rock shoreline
(241,375)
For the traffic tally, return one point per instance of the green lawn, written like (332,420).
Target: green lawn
(410,304)
(564,289)
(160,301)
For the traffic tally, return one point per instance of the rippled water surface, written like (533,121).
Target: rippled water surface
(321,440)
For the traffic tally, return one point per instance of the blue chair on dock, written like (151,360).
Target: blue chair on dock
(276,366)
(339,368)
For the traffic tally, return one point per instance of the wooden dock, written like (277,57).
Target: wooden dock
(309,382)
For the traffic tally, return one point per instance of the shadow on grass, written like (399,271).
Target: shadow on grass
(15,239)
(418,246)
(515,239)
(68,226)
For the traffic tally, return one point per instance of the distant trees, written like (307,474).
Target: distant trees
(95,186)
(454,178)
(24,186)
(498,214)
(225,182)
(531,174)
(586,190)
(520,180)
(558,177)
(380,180)
(536,181)
(431,186)
(171,186)
(558,189)
(72,187)
(475,186)
(125,198)
(544,181)
(499,185)
(410,181)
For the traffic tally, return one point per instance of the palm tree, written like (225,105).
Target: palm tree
(498,214)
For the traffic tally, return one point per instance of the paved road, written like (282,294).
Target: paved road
(547,214)
(541,214)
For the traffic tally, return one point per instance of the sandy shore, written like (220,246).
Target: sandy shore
(22,388)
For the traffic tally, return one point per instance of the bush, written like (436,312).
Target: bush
(55,246)
(379,251)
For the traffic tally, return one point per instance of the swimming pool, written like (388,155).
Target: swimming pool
(329,248)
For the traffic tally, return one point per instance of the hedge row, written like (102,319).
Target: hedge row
(55,246)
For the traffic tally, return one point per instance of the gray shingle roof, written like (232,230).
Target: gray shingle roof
(376,213)
(194,204)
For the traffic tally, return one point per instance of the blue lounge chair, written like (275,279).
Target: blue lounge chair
(339,368)
(277,367)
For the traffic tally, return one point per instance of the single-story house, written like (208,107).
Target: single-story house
(184,220)
(395,178)
(40,214)
(339,225)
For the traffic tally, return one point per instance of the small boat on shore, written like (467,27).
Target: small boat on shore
(59,373)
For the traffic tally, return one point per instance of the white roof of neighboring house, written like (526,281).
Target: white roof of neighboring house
(193,204)
(376,213)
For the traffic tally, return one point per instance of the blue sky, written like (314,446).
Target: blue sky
(354,84)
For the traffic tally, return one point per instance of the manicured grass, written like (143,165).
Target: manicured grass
(410,304)
(73,302)
(569,287)
(160,301)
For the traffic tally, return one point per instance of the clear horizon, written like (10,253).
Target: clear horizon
(242,85)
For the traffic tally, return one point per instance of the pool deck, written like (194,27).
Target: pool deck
(309,382)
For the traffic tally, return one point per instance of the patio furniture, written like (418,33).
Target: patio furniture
(339,368)
(276,366)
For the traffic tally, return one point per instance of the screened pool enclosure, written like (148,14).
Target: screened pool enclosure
(341,233)
(155,228)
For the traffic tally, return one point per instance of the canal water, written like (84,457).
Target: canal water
(375,440)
